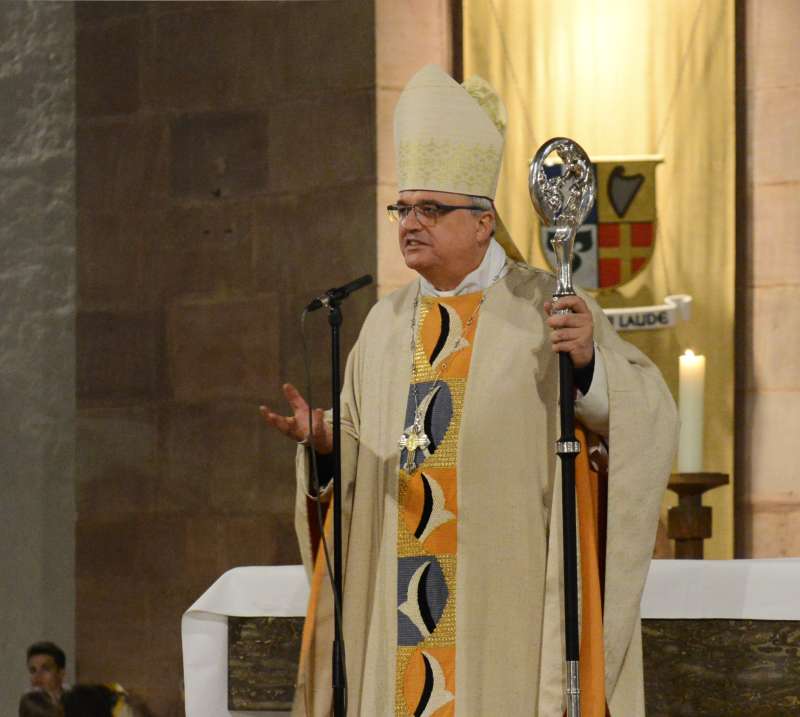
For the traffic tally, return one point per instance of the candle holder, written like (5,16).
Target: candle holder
(689,522)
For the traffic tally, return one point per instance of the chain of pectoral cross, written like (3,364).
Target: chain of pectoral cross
(414,437)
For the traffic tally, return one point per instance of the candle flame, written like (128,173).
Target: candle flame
(689,353)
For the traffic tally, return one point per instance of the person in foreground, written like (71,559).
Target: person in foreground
(451,496)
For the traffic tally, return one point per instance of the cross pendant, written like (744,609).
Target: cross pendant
(414,438)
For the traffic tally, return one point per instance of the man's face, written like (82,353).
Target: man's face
(45,674)
(445,253)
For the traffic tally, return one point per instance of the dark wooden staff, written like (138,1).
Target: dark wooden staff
(563,199)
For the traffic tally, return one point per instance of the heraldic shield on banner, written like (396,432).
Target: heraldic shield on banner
(617,239)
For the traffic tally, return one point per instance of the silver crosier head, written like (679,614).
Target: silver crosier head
(562,201)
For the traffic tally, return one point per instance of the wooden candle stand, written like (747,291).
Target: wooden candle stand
(689,522)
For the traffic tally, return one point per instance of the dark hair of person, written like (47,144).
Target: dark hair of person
(48,648)
(38,704)
(89,701)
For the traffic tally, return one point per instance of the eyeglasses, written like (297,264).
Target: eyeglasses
(427,213)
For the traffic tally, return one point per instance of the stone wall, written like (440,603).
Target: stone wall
(768,406)
(37,361)
(226,174)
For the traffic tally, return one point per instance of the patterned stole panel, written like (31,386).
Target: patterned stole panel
(428,511)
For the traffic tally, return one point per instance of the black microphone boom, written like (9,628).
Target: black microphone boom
(334,296)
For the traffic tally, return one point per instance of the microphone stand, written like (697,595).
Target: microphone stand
(563,202)
(335,321)
(331,300)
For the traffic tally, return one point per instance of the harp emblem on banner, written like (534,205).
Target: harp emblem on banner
(617,240)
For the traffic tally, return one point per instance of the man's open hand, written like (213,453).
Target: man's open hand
(296,425)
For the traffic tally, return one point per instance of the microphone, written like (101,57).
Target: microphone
(334,296)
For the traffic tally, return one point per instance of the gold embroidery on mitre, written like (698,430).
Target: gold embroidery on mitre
(449,166)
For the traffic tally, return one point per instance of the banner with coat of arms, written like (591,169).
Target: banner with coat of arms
(618,238)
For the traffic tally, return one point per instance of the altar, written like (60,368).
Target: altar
(720,638)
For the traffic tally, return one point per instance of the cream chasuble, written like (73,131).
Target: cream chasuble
(503,584)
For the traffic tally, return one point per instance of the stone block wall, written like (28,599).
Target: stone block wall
(768,405)
(226,170)
(37,336)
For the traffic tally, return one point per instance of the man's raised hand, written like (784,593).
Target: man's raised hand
(296,425)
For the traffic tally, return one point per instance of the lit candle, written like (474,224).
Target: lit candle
(690,402)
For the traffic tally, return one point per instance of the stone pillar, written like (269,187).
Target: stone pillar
(769,271)
(409,34)
(37,361)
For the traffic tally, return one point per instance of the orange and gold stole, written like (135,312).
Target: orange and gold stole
(428,511)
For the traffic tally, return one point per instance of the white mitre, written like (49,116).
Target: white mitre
(449,138)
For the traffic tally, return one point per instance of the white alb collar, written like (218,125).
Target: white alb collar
(492,268)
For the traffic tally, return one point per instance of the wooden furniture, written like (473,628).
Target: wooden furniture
(689,522)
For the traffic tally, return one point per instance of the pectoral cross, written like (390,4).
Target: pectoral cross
(414,438)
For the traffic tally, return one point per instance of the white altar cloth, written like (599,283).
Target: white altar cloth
(277,590)
(675,589)
(723,589)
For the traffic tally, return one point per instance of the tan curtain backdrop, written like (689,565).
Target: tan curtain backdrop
(626,77)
